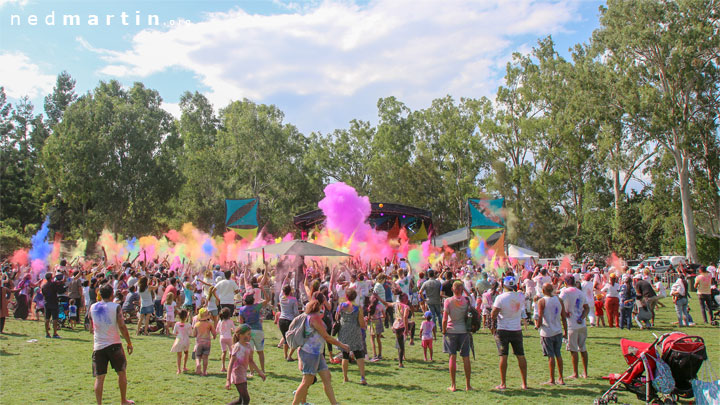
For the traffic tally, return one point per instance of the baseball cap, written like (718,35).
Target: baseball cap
(509,282)
(428,313)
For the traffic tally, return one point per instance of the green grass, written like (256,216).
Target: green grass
(59,371)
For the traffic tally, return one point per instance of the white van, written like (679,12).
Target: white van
(675,260)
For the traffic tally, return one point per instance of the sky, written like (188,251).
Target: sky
(323,63)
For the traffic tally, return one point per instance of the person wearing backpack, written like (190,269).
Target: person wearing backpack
(456,336)
(312,361)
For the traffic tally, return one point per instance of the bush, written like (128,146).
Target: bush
(11,239)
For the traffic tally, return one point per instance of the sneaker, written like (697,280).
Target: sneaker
(56,336)
(47,336)
(691,324)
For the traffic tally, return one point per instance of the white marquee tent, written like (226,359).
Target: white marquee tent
(517,252)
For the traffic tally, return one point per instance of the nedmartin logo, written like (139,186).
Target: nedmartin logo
(123,18)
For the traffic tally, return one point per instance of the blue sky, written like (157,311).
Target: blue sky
(321,62)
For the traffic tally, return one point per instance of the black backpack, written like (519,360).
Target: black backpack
(473,320)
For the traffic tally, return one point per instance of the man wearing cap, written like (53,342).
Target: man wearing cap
(576,308)
(507,310)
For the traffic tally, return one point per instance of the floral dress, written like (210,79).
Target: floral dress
(350,332)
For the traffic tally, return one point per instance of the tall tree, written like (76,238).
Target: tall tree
(675,46)
(60,99)
(110,159)
(344,155)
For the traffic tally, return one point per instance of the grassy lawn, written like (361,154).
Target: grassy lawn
(59,371)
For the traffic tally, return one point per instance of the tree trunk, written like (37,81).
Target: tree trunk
(681,162)
(616,191)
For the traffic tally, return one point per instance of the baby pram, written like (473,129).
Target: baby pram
(683,354)
(715,305)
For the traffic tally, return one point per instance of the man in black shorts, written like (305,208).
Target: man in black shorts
(50,291)
(507,310)
(106,325)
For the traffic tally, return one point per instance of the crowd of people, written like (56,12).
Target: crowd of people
(343,305)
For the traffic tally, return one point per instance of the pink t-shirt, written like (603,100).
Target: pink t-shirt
(225,328)
(426,330)
(238,372)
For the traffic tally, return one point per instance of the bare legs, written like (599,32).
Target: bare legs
(584,356)
(522,363)
(551,364)
(301,393)
(122,384)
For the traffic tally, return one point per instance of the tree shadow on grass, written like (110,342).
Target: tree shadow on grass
(13,334)
(398,387)
(3,353)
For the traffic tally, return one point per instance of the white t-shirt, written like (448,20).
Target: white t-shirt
(612,290)
(530,288)
(226,291)
(660,287)
(105,328)
(132,281)
(589,290)
(539,282)
(511,305)
(573,301)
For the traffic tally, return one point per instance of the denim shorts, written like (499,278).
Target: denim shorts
(552,346)
(312,363)
(147,310)
(454,342)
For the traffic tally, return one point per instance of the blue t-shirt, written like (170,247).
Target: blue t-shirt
(251,315)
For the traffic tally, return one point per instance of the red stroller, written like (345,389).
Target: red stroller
(683,354)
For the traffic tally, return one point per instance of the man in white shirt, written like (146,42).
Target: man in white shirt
(106,325)
(226,290)
(576,308)
(507,310)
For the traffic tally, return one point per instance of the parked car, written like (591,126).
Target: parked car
(658,265)
(675,260)
(633,264)
(553,262)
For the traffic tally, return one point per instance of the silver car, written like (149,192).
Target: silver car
(658,265)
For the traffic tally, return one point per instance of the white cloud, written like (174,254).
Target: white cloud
(21,77)
(172,108)
(335,50)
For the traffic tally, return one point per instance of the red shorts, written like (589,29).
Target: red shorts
(427,343)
